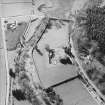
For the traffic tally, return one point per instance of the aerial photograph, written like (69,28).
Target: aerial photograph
(52,52)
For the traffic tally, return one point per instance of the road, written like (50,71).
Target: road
(2,78)
(4,73)
(72,41)
(49,74)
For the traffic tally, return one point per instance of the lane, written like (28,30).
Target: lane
(2,78)
(97,94)
(6,64)
(1,39)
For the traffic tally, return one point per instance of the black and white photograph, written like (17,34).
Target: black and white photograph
(52,52)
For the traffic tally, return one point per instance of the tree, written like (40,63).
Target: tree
(95,25)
